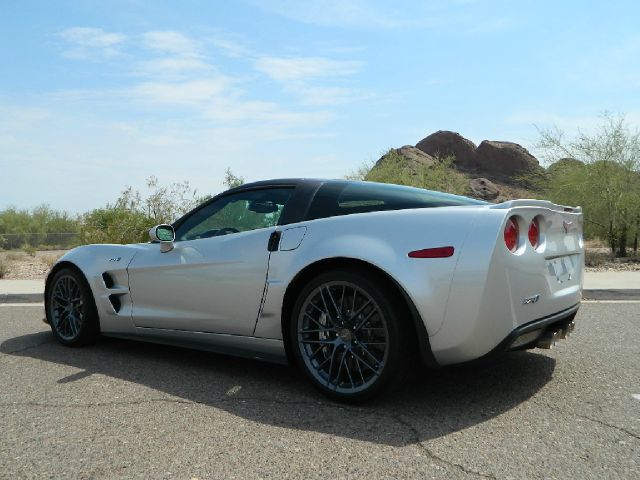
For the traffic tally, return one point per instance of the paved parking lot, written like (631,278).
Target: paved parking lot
(127,409)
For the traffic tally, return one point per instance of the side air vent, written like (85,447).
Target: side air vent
(108,280)
(115,302)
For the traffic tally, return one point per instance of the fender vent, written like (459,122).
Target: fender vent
(108,280)
(115,302)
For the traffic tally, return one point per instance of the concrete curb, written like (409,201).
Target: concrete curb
(592,294)
(21,297)
(611,294)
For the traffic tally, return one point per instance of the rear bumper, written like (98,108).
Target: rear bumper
(528,335)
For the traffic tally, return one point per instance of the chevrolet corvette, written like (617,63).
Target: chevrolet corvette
(353,282)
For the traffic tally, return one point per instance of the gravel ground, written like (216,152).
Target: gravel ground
(23,266)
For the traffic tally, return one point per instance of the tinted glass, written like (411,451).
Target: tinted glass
(344,198)
(235,213)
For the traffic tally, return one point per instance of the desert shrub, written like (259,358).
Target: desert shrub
(595,257)
(4,269)
(29,249)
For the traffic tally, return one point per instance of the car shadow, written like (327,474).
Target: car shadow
(434,403)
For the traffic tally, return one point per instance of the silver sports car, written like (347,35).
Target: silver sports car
(353,282)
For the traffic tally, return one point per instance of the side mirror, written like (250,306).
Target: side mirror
(165,234)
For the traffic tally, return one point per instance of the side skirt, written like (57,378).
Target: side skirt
(266,349)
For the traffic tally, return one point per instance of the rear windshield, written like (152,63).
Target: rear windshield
(344,198)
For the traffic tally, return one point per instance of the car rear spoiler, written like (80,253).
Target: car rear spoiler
(525,202)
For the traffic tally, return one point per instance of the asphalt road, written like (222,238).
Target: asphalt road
(123,409)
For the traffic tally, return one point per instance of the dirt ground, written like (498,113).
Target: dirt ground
(23,266)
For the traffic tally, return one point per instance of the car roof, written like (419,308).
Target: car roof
(276,182)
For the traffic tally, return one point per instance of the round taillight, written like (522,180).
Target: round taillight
(511,234)
(534,233)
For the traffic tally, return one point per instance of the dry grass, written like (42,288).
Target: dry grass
(596,257)
(13,257)
(50,260)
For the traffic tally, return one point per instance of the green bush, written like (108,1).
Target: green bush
(115,225)
(394,168)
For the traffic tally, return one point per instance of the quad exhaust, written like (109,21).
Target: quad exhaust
(549,338)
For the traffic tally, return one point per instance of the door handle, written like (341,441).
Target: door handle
(274,241)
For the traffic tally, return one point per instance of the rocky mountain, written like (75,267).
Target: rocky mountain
(494,170)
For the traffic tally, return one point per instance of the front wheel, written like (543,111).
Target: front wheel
(348,335)
(71,310)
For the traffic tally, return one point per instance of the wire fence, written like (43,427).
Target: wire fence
(45,241)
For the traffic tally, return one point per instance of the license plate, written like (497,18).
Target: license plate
(562,268)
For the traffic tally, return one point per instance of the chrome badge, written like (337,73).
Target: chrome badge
(530,300)
(115,259)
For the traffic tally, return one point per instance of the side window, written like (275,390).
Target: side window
(235,213)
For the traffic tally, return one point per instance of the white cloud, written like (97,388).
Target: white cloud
(171,42)
(299,76)
(173,65)
(86,42)
(193,92)
(230,47)
(286,69)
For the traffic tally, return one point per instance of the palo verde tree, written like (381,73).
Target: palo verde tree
(599,171)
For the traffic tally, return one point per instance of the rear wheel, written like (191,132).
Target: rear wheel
(347,336)
(71,310)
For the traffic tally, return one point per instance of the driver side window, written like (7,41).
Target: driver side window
(235,213)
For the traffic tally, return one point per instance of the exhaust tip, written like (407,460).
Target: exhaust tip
(549,338)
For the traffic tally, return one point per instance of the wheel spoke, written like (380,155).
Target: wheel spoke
(337,383)
(364,362)
(333,353)
(358,365)
(333,302)
(360,310)
(361,345)
(346,365)
(317,330)
(315,321)
(364,320)
(324,302)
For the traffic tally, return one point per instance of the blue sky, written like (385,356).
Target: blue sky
(98,95)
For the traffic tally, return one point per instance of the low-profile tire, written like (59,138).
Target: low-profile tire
(349,335)
(71,310)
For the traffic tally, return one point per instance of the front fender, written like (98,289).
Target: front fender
(105,268)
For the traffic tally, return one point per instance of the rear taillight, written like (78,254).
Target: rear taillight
(511,234)
(534,233)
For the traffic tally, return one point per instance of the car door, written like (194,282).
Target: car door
(213,279)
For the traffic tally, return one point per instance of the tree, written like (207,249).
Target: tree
(231,180)
(130,217)
(600,171)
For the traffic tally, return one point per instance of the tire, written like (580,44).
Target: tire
(71,310)
(348,334)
